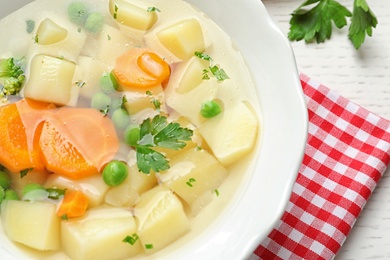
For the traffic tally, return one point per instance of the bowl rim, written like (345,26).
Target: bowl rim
(282,103)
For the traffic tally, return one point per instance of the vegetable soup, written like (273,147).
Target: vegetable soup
(127,126)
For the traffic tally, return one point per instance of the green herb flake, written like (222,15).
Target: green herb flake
(149,246)
(79,29)
(153,9)
(217,192)
(30,26)
(205,74)
(80,83)
(55,194)
(123,102)
(203,56)
(115,14)
(36,38)
(190,181)
(64,217)
(219,73)
(105,111)
(131,239)
(156,103)
(24,172)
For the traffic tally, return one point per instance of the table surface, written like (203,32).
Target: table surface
(362,76)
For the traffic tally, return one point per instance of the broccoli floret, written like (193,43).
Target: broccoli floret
(11,76)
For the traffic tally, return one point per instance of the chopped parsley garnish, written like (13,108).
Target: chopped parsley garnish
(157,132)
(156,103)
(108,37)
(54,193)
(217,192)
(24,172)
(190,181)
(123,102)
(203,56)
(219,73)
(153,9)
(216,71)
(149,246)
(80,83)
(131,239)
(30,25)
(79,29)
(36,38)
(115,15)
(105,111)
(64,217)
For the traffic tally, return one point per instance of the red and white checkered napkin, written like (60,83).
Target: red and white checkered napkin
(348,149)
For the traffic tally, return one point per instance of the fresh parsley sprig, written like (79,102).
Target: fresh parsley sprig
(312,21)
(158,132)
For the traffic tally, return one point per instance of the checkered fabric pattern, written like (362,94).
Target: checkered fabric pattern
(348,149)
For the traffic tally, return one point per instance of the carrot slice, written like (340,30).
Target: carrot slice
(140,68)
(74,204)
(77,142)
(18,142)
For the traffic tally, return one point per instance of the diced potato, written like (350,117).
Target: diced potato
(67,48)
(49,32)
(99,235)
(194,174)
(232,134)
(34,224)
(88,71)
(161,218)
(138,100)
(93,187)
(189,74)
(183,39)
(135,16)
(50,80)
(127,193)
(189,104)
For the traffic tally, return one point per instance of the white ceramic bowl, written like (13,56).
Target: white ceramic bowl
(260,201)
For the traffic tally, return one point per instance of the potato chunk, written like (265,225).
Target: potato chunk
(161,218)
(99,235)
(193,175)
(183,39)
(134,16)
(34,224)
(128,193)
(49,32)
(231,134)
(50,80)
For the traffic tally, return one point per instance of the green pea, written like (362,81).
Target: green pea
(11,195)
(2,194)
(31,187)
(94,22)
(108,83)
(100,101)
(77,13)
(114,173)
(120,118)
(210,109)
(5,180)
(131,135)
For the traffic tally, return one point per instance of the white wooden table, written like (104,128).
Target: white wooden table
(362,76)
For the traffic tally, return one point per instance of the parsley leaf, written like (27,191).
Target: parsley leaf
(316,23)
(362,22)
(312,21)
(157,132)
